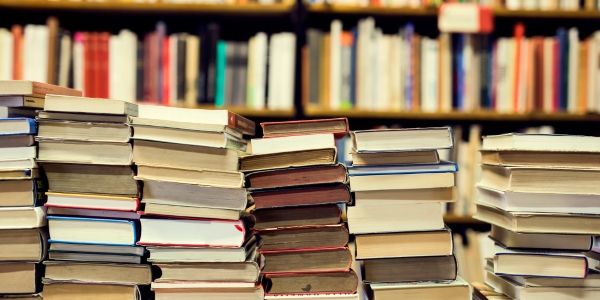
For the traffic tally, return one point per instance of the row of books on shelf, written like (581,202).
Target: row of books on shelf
(175,69)
(366,69)
(230,2)
(546,5)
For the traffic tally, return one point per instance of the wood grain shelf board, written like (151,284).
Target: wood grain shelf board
(249,112)
(455,115)
(549,14)
(372,10)
(134,7)
(462,220)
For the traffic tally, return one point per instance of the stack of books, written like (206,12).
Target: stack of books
(541,195)
(194,221)
(85,150)
(400,187)
(296,195)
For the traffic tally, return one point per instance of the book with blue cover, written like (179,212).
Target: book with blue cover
(91,231)
(15,126)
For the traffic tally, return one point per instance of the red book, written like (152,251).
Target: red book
(17,33)
(519,35)
(96,73)
(312,283)
(297,176)
(88,72)
(103,41)
(338,126)
(165,72)
(306,261)
(301,196)
(556,80)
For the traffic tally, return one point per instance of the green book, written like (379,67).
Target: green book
(220,74)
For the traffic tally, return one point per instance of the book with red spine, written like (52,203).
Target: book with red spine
(519,36)
(337,126)
(88,61)
(166,74)
(103,40)
(17,33)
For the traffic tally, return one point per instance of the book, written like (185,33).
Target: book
(33,88)
(539,202)
(21,193)
(452,290)
(442,167)
(189,137)
(402,139)
(537,180)
(247,271)
(307,261)
(18,153)
(22,101)
(93,213)
(528,222)
(292,143)
(552,159)
(13,141)
(401,181)
(81,117)
(395,158)
(315,195)
(91,179)
(326,156)
(97,249)
(307,284)
(92,201)
(211,291)
(541,142)
(376,197)
(24,245)
(16,164)
(411,269)
(328,214)
(313,237)
(22,217)
(535,263)
(591,281)
(71,271)
(94,257)
(89,105)
(169,193)
(567,242)
(184,156)
(19,174)
(208,233)
(170,254)
(17,126)
(84,131)
(300,176)
(404,244)
(205,177)
(326,296)
(19,278)
(92,231)
(395,218)
(73,291)
(62,151)
(164,210)
(337,126)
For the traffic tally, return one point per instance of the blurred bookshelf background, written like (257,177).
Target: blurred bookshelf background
(380,63)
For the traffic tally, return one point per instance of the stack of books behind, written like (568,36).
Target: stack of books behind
(541,195)
(400,188)
(85,150)
(194,221)
(23,231)
(299,193)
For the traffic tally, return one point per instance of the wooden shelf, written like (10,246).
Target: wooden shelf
(462,220)
(249,112)
(372,10)
(134,7)
(455,115)
(547,14)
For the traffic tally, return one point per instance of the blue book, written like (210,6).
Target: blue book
(17,126)
(409,30)
(563,66)
(90,231)
(442,167)
(353,67)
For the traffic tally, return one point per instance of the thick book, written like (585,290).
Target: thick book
(18,126)
(189,137)
(540,180)
(93,213)
(23,245)
(442,167)
(404,244)
(22,217)
(591,281)
(92,231)
(192,125)
(172,254)
(95,257)
(284,217)
(81,117)
(183,290)
(184,156)
(19,278)
(300,176)
(63,151)
(309,237)
(89,105)
(217,178)
(33,88)
(292,143)
(92,201)
(326,156)
(18,153)
(307,261)
(91,179)
(90,291)
(563,242)
(380,182)
(407,269)
(410,139)
(401,217)
(22,101)
(536,263)
(529,222)
(12,141)
(19,174)
(377,197)
(20,163)
(206,233)
(302,196)
(447,290)
(541,159)
(337,126)
(97,249)
(124,274)
(310,284)
(22,193)
(395,158)
(84,131)
(541,142)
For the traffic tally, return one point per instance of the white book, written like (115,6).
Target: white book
(18,153)
(42,37)
(548,4)
(172,100)
(541,142)
(6,54)
(292,143)
(597,82)
(530,4)
(382,101)
(548,76)
(28,51)
(335,74)
(367,64)
(513,4)
(360,64)
(430,83)
(192,54)
(501,64)
(573,70)
(260,70)
(288,66)
(592,69)
(395,63)
(78,62)
(273,94)
(128,46)
(374,75)
(250,71)
(65,60)
(115,67)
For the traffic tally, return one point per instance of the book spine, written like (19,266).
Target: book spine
(221,61)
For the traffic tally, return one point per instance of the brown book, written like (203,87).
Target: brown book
(288,159)
(425,268)
(305,75)
(53,28)
(78,291)
(331,236)
(32,88)
(18,278)
(91,179)
(64,271)
(297,216)
(247,271)
(21,192)
(307,261)
(301,196)
(17,33)
(337,126)
(297,176)
(395,158)
(25,245)
(334,282)
(404,244)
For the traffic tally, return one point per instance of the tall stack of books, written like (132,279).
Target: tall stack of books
(400,187)
(85,149)
(194,221)
(297,186)
(541,195)
(23,232)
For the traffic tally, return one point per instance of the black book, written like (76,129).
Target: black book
(181,54)
(209,37)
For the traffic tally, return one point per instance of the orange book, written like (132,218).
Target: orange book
(583,80)
(326,63)
(52,24)
(305,69)
(416,72)
(529,77)
(17,33)
(103,41)
(519,35)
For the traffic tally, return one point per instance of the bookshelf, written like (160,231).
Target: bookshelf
(371,10)
(249,112)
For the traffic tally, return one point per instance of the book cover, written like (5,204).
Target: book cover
(31,122)
(76,219)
